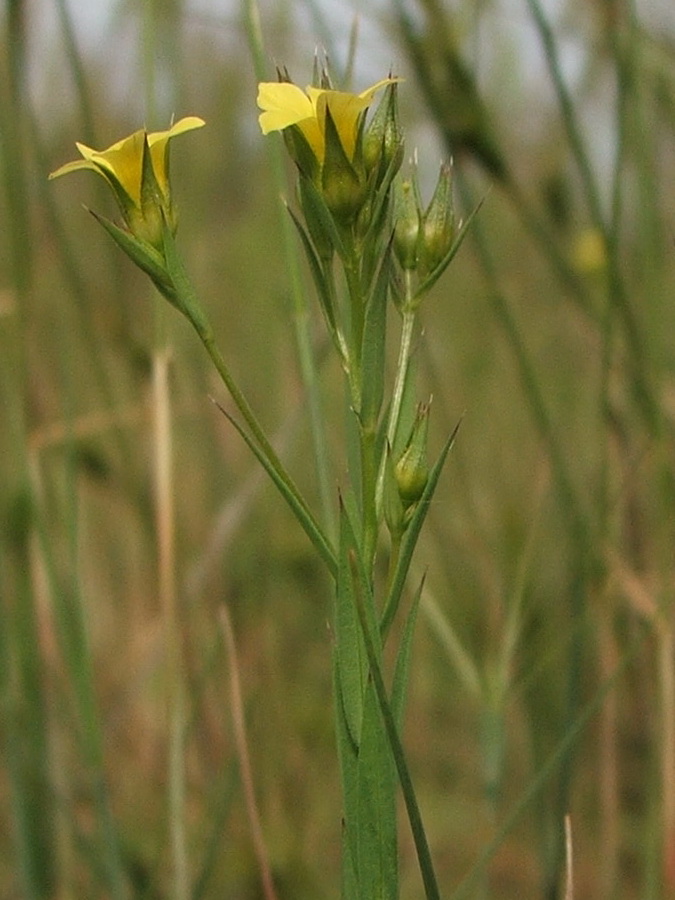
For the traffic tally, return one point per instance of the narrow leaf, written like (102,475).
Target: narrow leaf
(412,808)
(185,293)
(373,347)
(315,207)
(348,761)
(377,828)
(322,290)
(352,666)
(143,255)
(402,669)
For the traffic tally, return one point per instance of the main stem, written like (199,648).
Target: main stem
(402,365)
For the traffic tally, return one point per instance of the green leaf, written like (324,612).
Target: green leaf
(380,206)
(412,808)
(320,284)
(185,292)
(145,256)
(348,760)
(377,843)
(317,213)
(352,666)
(402,669)
(373,348)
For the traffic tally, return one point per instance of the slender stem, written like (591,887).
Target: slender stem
(357,301)
(405,347)
(402,365)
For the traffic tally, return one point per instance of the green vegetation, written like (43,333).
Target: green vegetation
(170,640)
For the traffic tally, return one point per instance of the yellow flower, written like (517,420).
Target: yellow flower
(285,104)
(138,176)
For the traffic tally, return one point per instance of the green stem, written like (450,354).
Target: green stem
(357,302)
(402,365)
(405,348)
(368,489)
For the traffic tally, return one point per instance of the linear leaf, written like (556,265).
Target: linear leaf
(377,838)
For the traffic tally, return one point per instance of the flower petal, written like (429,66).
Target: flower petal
(124,162)
(345,109)
(283,104)
(158,141)
(73,166)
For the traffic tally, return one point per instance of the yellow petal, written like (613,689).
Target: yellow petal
(123,161)
(72,167)
(345,109)
(158,141)
(371,91)
(283,104)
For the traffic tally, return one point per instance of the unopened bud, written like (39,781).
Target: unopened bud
(412,470)
(406,224)
(438,224)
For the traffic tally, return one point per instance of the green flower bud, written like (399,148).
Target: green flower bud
(412,470)
(406,224)
(438,224)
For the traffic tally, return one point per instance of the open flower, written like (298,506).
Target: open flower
(285,104)
(324,137)
(137,170)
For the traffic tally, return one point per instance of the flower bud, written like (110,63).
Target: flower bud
(412,470)
(406,224)
(438,224)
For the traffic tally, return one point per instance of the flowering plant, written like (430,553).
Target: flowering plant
(370,247)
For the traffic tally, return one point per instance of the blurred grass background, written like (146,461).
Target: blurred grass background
(549,549)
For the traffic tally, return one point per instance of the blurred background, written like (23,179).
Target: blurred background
(543,680)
